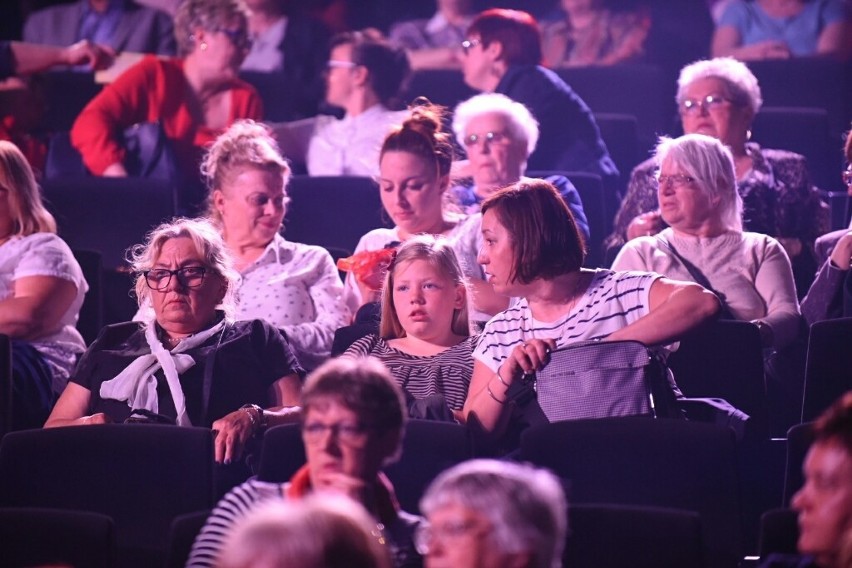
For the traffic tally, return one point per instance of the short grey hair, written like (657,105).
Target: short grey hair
(742,85)
(210,246)
(525,505)
(207,15)
(522,123)
(710,162)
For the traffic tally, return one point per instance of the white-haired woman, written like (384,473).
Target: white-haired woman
(188,362)
(705,241)
(293,286)
(720,98)
(498,135)
(493,514)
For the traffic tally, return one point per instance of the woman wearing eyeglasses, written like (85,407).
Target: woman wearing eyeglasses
(188,362)
(720,98)
(194,97)
(705,242)
(293,286)
(364,77)
(352,425)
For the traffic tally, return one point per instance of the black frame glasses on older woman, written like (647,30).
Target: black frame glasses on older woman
(188,276)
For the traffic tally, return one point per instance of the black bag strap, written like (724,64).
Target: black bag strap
(699,277)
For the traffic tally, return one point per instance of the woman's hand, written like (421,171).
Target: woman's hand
(115,170)
(645,225)
(341,484)
(97,418)
(231,432)
(526,358)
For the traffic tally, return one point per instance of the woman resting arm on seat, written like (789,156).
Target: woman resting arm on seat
(705,242)
(533,252)
(188,362)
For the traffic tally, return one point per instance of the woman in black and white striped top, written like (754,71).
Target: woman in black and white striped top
(424,337)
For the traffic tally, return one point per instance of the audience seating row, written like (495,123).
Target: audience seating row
(144,476)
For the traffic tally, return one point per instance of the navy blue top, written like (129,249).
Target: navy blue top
(569,138)
(469,201)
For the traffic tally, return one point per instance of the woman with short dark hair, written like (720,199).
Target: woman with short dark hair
(533,251)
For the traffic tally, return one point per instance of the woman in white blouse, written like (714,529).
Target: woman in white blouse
(41,291)
(705,240)
(292,286)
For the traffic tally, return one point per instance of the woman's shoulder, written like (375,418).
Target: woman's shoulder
(365,346)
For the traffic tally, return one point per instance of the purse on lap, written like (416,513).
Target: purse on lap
(602,379)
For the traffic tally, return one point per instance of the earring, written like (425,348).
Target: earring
(748,134)
(203,46)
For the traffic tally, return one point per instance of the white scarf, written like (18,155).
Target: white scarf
(137,385)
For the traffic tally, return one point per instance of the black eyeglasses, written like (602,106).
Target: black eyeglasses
(189,277)
(469,44)
(707,104)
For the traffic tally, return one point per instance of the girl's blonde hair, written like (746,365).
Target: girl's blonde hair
(437,252)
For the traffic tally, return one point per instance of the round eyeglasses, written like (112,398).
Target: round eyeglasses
(709,103)
(188,277)
(486,138)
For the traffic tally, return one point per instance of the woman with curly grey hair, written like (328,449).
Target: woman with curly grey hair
(187,362)
(491,514)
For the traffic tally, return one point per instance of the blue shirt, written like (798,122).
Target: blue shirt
(800,32)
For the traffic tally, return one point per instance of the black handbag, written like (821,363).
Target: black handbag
(149,154)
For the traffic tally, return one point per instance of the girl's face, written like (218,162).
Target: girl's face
(425,300)
(412,193)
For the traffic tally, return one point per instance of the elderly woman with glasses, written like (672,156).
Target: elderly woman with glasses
(194,97)
(720,98)
(493,514)
(705,241)
(188,362)
(353,419)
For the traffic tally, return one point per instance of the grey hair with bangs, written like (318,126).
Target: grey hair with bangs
(742,85)
(525,505)
(710,162)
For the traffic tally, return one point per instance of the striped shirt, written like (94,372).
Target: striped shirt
(612,301)
(448,373)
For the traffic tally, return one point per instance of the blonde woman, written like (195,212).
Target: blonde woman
(41,291)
